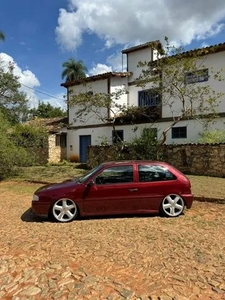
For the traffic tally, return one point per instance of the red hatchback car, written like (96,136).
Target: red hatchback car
(124,187)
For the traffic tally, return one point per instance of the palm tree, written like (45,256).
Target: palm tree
(2,36)
(73,70)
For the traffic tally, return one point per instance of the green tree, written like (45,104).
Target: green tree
(73,70)
(47,111)
(29,135)
(13,102)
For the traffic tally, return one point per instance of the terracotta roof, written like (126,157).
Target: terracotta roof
(143,46)
(51,124)
(206,50)
(157,44)
(96,77)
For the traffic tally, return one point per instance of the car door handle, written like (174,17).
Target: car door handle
(133,190)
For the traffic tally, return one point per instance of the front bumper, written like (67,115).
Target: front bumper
(40,209)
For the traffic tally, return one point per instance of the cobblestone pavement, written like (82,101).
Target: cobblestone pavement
(111,258)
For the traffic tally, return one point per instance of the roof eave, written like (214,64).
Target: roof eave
(96,77)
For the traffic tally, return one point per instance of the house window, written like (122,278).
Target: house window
(179,132)
(148,98)
(197,76)
(117,136)
(60,140)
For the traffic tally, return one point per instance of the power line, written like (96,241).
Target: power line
(44,93)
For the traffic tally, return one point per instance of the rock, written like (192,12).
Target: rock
(31,291)
(127,294)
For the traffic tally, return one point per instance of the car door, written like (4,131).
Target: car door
(113,191)
(155,182)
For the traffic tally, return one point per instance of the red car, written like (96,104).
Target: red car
(124,187)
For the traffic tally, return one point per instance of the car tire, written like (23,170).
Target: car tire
(172,205)
(64,210)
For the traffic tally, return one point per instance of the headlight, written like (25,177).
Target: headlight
(35,197)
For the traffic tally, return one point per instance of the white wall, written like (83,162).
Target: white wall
(194,129)
(174,106)
(98,135)
(98,86)
(134,58)
(217,62)
(103,135)
(214,63)
(118,84)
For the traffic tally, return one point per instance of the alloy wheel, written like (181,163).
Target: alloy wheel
(64,210)
(172,205)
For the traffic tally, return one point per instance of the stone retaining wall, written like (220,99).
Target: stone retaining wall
(196,159)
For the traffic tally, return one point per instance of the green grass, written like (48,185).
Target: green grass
(18,188)
(49,174)
(210,187)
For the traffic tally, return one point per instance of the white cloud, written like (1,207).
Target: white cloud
(117,61)
(114,64)
(139,21)
(69,30)
(204,45)
(30,83)
(99,69)
(26,78)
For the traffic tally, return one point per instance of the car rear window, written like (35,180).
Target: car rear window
(148,173)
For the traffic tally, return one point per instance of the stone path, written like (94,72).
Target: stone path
(111,258)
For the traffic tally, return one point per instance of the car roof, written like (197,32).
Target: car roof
(126,162)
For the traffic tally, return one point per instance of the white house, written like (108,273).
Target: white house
(92,130)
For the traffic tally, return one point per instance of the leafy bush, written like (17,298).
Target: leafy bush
(26,136)
(146,146)
(11,155)
(212,137)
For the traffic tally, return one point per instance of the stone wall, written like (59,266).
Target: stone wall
(55,153)
(49,153)
(195,159)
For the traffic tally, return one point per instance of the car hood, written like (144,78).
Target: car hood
(55,186)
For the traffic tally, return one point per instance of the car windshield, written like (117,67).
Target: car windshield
(88,174)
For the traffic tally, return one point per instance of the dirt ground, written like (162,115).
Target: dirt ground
(112,258)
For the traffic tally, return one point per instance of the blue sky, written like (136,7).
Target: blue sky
(41,35)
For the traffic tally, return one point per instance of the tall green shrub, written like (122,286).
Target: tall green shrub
(11,155)
(145,147)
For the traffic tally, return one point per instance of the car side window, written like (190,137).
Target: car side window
(148,173)
(115,175)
